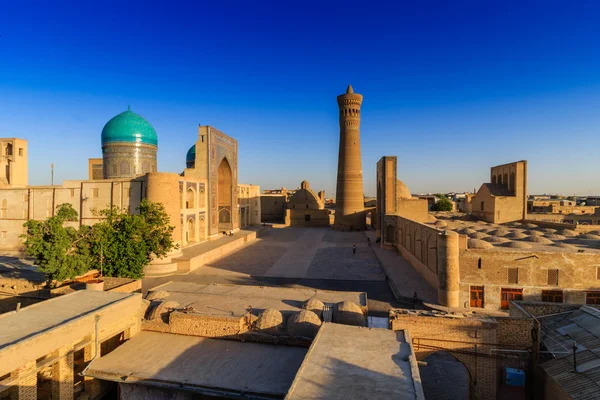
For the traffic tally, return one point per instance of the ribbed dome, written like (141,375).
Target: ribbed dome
(190,157)
(129,127)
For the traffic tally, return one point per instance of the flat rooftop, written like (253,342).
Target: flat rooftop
(201,364)
(42,317)
(348,362)
(233,300)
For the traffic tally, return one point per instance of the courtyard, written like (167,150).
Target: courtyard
(318,258)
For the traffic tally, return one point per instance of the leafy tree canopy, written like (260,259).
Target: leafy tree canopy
(443,204)
(122,243)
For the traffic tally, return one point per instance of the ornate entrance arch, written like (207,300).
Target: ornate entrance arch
(224,195)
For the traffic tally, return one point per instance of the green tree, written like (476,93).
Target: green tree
(443,204)
(125,243)
(60,251)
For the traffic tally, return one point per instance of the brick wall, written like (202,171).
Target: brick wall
(471,341)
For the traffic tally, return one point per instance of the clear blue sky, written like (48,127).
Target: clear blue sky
(450,87)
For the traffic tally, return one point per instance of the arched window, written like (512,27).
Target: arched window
(511,182)
(499,179)
(191,230)
(9,149)
(190,198)
(505,180)
(113,170)
(389,233)
(494,179)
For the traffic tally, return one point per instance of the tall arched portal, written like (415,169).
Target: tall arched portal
(224,195)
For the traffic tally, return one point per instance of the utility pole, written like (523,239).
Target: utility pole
(52,174)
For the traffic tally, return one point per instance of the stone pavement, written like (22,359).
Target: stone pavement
(402,277)
(318,258)
(295,262)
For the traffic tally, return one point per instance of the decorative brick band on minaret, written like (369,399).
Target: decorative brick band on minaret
(349,196)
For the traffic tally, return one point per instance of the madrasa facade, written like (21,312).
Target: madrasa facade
(203,201)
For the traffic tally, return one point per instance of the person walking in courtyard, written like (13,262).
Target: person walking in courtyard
(353,249)
(369,241)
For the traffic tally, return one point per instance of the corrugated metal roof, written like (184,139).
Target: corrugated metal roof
(558,333)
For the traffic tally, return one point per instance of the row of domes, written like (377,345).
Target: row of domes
(130,127)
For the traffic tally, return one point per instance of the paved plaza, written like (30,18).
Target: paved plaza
(319,258)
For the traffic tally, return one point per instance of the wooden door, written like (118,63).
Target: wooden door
(477,296)
(510,295)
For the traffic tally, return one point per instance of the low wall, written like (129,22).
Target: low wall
(560,225)
(185,264)
(123,285)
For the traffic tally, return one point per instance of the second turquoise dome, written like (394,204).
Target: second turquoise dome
(129,127)
(190,157)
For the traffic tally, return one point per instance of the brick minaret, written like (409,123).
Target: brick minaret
(349,196)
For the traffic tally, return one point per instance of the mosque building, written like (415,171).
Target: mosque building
(203,201)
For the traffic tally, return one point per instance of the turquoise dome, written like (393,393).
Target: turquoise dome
(190,157)
(129,127)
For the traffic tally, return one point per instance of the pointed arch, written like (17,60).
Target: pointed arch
(511,182)
(225,194)
(191,230)
(190,198)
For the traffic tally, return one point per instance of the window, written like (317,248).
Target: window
(307,206)
(553,277)
(513,275)
(20,151)
(307,218)
(95,192)
(71,193)
(477,296)
(482,206)
(511,182)
(552,296)
(507,295)
(592,298)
